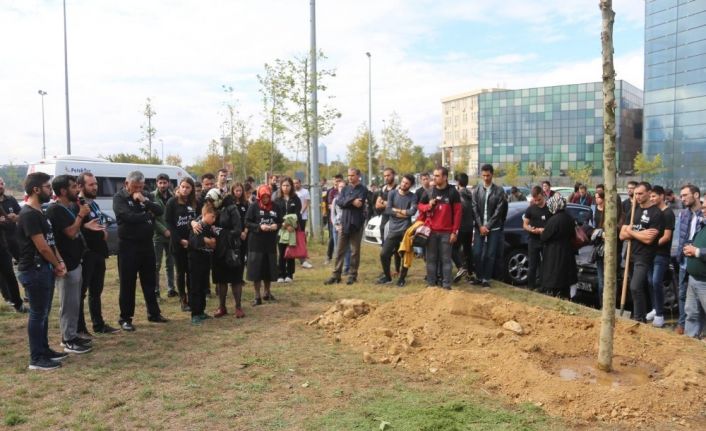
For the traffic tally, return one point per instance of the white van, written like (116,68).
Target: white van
(110,176)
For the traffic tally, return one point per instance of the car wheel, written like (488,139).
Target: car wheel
(517,267)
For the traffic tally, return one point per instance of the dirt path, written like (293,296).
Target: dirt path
(546,358)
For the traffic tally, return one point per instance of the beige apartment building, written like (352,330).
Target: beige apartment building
(459,143)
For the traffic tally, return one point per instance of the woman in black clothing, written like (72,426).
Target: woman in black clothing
(262,221)
(225,273)
(10,287)
(242,202)
(287,202)
(179,212)
(559,263)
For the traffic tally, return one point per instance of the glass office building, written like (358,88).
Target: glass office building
(675,88)
(558,128)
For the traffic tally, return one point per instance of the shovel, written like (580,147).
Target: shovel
(624,291)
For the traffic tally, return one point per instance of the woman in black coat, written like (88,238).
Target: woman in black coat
(559,263)
(223,272)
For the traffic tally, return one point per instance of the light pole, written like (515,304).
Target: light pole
(66,87)
(370,120)
(316,226)
(44,136)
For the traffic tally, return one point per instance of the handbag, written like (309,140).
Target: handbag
(297,251)
(580,238)
(421,236)
(231,256)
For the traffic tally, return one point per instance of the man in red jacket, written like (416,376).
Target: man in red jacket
(442,210)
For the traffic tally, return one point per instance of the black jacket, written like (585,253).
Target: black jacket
(135,220)
(352,217)
(467,217)
(497,206)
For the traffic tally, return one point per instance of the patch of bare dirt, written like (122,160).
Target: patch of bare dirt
(531,354)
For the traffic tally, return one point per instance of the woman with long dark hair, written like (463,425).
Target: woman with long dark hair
(262,221)
(559,263)
(287,203)
(224,271)
(179,212)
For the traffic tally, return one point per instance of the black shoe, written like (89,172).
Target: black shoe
(127,326)
(332,280)
(73,347)
(56,356)
(44,364)
(383,280)
(78,340)
(172,293)
(476,282)
(106,329)
(158,319)
(269,297)
(256,302)
(401,282)
(485,284)
(21,309)
(460,274)
(85,334)
(351,280)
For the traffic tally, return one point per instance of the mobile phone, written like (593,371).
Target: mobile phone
(81,200)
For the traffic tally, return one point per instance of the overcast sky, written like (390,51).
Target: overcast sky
(180,53)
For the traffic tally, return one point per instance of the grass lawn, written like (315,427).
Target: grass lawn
(267,371)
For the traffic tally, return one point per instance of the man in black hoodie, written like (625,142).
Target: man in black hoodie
(135,215)
(463,259)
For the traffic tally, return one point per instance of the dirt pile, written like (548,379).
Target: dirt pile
(532,355)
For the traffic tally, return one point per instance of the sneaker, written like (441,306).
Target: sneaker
(651,315)
(172,294)
(44,364)
(401,282)
(460,274)
(476,281)
(280,280)
(220,312)
(56,356)
(85,335)
(269,297)
(239,313)
(204,316)
(485,284)
(332,280)
(351,280)
(307,265)
(106,329)
(196,320)
(288,280)
(185,307)
(158,319)
(383,280)
(658,321)
(73,347)
(256,302)
(127,326)
(77,340)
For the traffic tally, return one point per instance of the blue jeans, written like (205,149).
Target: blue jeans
(659,268)
(683,282)
(39,283)
(695,307)
(485,250)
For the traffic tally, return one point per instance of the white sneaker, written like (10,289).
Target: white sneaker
(280,280)
(307,265)
(658,321)
(288,280)
(651,315)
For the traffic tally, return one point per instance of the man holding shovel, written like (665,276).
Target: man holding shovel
(643,233)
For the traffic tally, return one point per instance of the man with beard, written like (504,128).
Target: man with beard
(93,267)
(135,215)
(39,263)
(689,225)
(162,235)
(400,206)
(66,224)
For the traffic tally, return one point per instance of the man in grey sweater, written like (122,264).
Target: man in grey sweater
(401,206)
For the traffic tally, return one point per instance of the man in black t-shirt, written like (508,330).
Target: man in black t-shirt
(66,224)
(661,261)
(533,221)
(93,268)
(12,211)
(644,233)
(39,263)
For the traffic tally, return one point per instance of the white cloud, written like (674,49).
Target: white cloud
(179,53)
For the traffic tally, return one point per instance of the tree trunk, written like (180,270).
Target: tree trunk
(605,346)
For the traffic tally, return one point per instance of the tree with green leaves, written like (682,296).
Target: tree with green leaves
(357,155)
(646,168)
(148,133)
(397,147)
(238,131)
(275,85)
(125,158)
(512,170)
(581,174)
(535,170)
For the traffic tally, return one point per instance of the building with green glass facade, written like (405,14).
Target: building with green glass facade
(557,128)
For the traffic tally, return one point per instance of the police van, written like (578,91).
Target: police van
(110,176)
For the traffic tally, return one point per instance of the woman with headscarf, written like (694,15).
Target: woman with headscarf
(262,221)
(559,263)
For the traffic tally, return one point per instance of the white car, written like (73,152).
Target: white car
(372,231)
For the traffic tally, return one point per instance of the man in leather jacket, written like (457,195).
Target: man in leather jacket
(489,210)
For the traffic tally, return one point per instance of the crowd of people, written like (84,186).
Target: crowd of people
(212,232)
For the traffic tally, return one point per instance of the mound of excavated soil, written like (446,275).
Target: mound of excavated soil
(532,355)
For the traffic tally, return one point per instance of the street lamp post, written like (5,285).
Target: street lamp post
(43,93)
(370,120)
(66,87)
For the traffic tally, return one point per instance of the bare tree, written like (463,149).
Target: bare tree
(605,346)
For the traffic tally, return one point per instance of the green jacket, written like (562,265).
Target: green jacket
(160,224)
(696,266)
(285,236)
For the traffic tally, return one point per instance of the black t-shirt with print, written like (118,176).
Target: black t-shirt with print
(669,221)
(537,218)
(646,218)
(30,223)
(95,241)
(71,249)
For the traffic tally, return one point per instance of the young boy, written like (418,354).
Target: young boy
(201,248)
